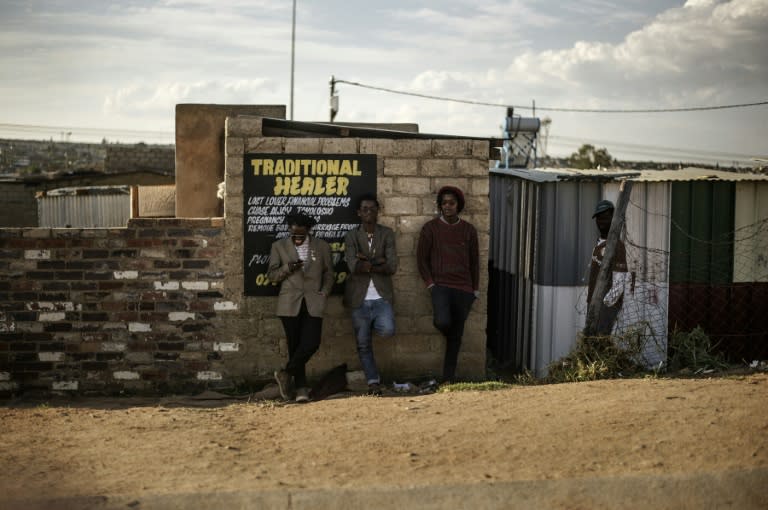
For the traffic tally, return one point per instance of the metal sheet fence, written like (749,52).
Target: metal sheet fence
(85,210)
(696,252)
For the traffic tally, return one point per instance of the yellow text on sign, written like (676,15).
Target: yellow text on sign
(311,185)
(306,167)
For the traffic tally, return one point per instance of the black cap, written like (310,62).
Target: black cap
(602,206)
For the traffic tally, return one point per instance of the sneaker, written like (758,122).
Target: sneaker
(285,384)
(302,395)
(428,387)
(374,389)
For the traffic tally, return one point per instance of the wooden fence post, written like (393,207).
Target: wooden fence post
(605,275)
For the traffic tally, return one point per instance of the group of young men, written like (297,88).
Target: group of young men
(448,262)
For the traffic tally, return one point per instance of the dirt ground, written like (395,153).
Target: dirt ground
(136,448)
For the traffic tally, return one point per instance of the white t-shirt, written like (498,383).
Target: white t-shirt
(372,292)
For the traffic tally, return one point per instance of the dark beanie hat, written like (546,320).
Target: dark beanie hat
(453,190)
(602,206)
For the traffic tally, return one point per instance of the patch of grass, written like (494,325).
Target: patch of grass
(600,357)
(627,355)
(474,386)
(620,356)
(693,351)
(527,378)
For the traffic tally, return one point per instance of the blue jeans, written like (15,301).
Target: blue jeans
(373,315)
(450,308)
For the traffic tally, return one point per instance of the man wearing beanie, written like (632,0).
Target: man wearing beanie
(449,263)
(614,298)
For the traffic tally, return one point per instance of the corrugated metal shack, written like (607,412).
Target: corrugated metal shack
(84,207)
(696,247)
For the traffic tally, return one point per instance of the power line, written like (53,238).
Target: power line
(649,152)
(92,131)
(627,146)
(553,109)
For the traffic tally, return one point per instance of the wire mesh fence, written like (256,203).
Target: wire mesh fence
(717,284)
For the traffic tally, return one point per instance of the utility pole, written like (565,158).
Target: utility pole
(535,145)
(293,51)
(545,122)
(334,100)
(605,275)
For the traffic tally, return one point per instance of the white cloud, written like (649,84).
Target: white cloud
(143,99)
(491,18)
(699,3)
(708,51)
(126,64)
(440,81)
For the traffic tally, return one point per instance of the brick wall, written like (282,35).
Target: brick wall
(158,306)
(110,310)
(130,158)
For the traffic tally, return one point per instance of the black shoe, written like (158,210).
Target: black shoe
(285,384)
(374,389)
(302,395)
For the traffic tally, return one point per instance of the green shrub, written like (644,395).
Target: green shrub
(600,357)
(693,351)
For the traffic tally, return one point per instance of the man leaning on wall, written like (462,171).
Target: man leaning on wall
(449,263)
(369,294)
(301,264)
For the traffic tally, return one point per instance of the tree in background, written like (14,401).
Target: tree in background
(589,157)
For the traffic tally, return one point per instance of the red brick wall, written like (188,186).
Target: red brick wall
(108,310)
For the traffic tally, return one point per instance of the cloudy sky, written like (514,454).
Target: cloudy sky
(115,70)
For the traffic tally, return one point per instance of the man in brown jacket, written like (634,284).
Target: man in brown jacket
(301,264)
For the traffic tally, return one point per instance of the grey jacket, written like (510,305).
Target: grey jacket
(383,250)
(313,283)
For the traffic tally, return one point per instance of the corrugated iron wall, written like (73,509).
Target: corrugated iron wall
(564,240)
(541,242)
(84,210)
(696,251)
(566,232)
(717,254)
(542,236)
(750,258)
(701,244)
(513,220)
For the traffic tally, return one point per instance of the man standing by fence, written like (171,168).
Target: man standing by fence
(614,298)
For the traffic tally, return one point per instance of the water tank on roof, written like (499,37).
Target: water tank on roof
(519,147)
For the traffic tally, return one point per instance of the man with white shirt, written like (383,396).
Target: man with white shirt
(369,251)
(301,264)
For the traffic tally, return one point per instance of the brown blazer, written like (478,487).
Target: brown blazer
(312,283)
(356,285)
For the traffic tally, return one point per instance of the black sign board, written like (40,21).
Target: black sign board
(324,186)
